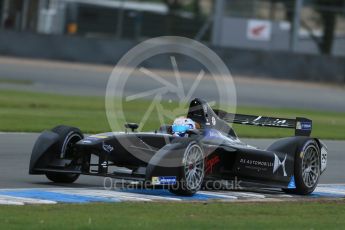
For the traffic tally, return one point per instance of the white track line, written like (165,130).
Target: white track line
(106,194)
(8,202)
(217,195)
(21,201)
(248,194)
(330,190)
(116,194)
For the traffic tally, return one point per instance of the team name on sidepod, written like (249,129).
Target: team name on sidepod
(255,162)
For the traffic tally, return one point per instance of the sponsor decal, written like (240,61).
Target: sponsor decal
(298,125)
(304,125)
(265,165)
(211,163)
(213,121)
(107,148)
(90,139)
(212,133)
(256,165)
(267,122)
(259,30)
(99,136)
(104,164)
(301,155)
(155,181)
(278,163)
(256,162)
(205,109)
(163,180)
(323,159)
(258,118)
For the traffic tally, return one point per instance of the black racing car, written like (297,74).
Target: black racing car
(185,164)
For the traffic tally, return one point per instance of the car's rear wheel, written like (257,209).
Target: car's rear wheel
(192,170)
(307,169)
(68,136)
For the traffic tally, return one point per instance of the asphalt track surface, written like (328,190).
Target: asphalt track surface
(86,79)
(16,149)
(82,79)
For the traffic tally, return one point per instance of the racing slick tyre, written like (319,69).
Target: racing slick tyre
(192,171)
(68,136)
(307,169)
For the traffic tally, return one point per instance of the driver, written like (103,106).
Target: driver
(181,125)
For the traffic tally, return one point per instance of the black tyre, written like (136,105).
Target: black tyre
(307,169)
(68,136)
(192,171)
(62,177)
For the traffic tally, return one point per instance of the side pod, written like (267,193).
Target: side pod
(40,154)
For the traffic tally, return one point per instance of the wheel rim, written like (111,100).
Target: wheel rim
(193,167)
(310,166)
(66,151)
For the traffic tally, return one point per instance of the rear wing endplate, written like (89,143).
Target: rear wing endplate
(302,126)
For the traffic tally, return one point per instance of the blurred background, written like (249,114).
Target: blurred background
(271,38)
(287,57)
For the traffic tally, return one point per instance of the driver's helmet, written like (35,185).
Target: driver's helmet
(181,125)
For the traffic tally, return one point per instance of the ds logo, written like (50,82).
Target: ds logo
(278,163)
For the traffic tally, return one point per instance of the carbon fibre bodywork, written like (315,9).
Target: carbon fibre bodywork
(147,156)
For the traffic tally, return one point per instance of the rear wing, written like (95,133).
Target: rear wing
(302,126)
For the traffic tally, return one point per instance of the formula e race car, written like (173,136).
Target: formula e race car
(184,164)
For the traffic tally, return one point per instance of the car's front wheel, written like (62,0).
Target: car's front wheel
(192,170)
(68,136)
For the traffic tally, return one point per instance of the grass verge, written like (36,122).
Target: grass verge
(34,112)
(311,215)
